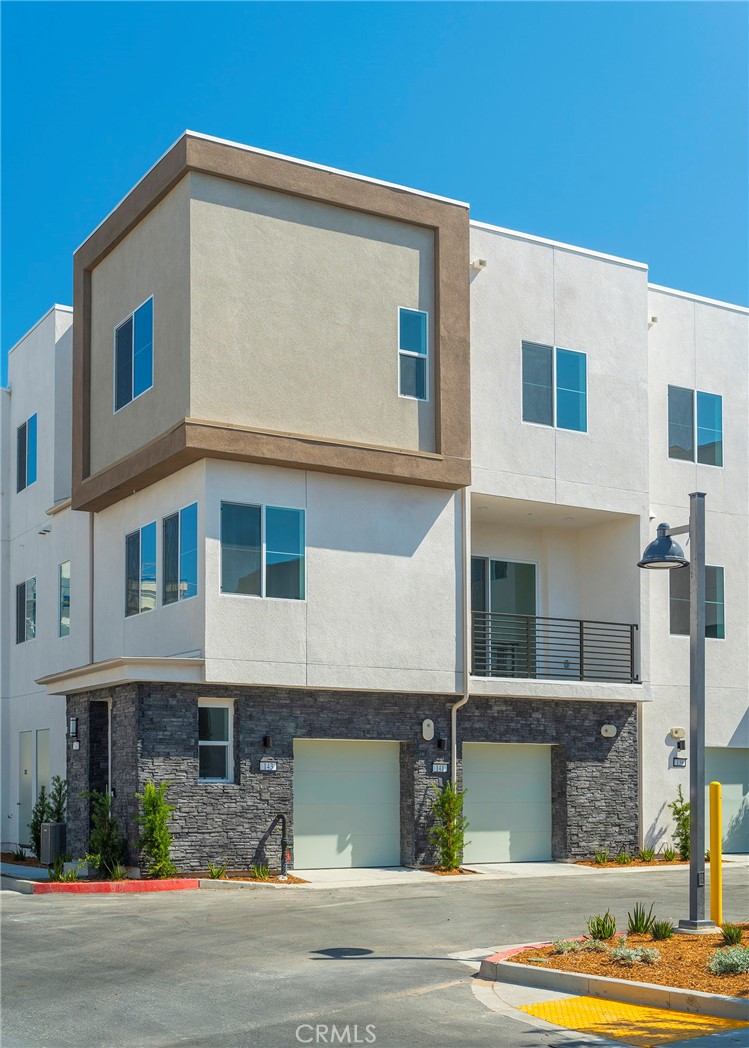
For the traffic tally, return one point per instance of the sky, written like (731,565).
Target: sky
(621,127)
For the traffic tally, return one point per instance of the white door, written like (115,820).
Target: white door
(25,784)
(507,802)
(346,804)
(730,767)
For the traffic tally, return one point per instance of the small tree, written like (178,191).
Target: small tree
(680,811)
(106,846)
(39,814)
(448,834)
(58,800)
(156,840)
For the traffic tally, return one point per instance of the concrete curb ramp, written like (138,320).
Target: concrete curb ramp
(499,968)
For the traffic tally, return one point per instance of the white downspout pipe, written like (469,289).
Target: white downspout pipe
(466,579)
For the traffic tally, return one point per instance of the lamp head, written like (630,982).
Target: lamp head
(663,552)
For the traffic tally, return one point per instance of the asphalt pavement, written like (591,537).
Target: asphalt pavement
(276,968)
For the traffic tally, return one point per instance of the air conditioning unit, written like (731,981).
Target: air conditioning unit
(53,842)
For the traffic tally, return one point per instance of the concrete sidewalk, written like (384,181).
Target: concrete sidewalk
(377,876)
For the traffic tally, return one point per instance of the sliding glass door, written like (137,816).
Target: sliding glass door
(503,602)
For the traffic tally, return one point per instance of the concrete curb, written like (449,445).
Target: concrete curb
(498,968)
(113,887)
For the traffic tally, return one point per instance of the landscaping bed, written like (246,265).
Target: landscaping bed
(28,860)
(247,875)
(683,962)
(613,864)
(458,872)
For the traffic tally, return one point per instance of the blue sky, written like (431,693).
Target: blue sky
(620,127)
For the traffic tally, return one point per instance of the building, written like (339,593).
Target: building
(320,438)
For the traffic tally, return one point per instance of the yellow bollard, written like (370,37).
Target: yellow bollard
(716,853)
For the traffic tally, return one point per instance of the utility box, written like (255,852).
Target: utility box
(53,842)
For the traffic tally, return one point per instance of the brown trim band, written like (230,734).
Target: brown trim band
(190,441)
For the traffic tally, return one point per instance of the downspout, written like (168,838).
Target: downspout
(91,587)
(466,639)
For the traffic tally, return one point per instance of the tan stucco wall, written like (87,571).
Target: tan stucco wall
(153,259)
(299,302)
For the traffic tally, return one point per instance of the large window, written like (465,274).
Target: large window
(555,387)
(262,551)
(215,740)
(695,426)
(63,599)
(26,454)
(140,570)
(714,604)
(413,354)
(26,611)
(133,355)
(180,545)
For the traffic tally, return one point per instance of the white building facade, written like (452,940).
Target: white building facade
(311,446)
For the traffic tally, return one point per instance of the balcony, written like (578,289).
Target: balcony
(536,647)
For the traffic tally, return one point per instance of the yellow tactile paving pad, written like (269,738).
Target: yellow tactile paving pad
(631,1023)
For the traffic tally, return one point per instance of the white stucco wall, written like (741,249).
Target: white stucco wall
(704,346)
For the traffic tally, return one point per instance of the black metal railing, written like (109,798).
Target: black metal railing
(537,647)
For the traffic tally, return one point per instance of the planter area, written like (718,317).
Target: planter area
(613,864)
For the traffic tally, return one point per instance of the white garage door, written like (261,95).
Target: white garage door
(507,802)
(346,804)
(730,767)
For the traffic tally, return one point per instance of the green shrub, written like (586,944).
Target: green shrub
(622,858)
(729,960)
(602,926)
(594,946)
(57,802)
(640,920)
(565,946)
(680,811)
(448,833)
(647,854)
(57,871)
(628,955)
(662,930)
(261,872)
(669,854)
(731,934)
(602,856)
(215,873)
(118,872)
(39,814)
(106,847)
(155,839)
(19,855)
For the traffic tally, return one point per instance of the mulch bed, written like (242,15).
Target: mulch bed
(612,864)
(452,873)
(683,963)
(28,861)
(246,875)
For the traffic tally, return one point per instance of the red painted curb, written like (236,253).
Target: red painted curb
(505,954)
(115,887)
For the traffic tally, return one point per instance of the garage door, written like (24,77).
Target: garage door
(508,802)
(730,767)
(346,804)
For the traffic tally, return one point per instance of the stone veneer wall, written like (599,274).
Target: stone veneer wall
(155,736)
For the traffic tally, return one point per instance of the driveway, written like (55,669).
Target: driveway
(263,968)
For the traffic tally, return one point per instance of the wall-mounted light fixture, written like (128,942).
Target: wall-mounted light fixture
(267,741)
(73,727)
(441,744)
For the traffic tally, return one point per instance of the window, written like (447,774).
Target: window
(413,354)
(140,570)
(26,454)
(684,436)
(180,550)
(63,599)
(26,611)
(133,355)
(215,744)
(262,551)
(714,606)
(555,387)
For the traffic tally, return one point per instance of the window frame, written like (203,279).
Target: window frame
(131,316)
(695,459)
(60,566)
(672,574)
(262,595)
(139,532)
(554,387)
(410,353)
(27,634)
(27,428)
(178,514)
(227,704)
